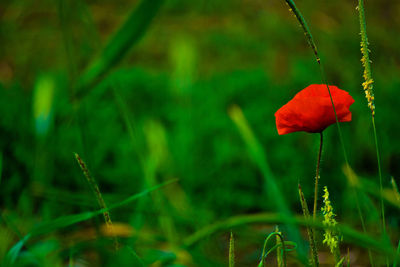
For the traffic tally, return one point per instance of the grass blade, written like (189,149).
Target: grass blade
(69,220)
(395,189)
(304,25)
(349,234)
(257,154)
(128,35)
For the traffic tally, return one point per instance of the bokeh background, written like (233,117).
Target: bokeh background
(160,111)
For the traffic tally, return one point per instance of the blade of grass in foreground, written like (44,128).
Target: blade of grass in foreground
(349,234)
(270,186)
(129,34)
(68,220)
(313,47)
(363,186)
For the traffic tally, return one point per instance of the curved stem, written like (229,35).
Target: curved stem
(264,253)
(317,176)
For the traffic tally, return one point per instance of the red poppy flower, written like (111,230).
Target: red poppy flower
(311,110)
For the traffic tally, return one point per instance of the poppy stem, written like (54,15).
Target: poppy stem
(317,176)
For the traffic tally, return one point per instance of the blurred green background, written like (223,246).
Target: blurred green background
(150,104)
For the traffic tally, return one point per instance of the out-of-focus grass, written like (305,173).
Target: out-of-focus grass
(194,60)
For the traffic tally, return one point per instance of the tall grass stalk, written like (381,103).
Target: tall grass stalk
(231,251)
(313,46)
(378,158)
(368,89)
(369,94)
(96,190)
(310,230)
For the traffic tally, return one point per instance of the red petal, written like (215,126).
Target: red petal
(311,110)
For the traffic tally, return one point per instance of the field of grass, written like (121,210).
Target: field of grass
(142,133)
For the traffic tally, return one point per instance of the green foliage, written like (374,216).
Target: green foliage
(142,91)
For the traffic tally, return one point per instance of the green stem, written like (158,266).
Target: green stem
(264,254)
(378,158)
(368,86)
(317,176)
(310,230)
(380,175)
(99,198)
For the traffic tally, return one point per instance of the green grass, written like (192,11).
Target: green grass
(171,105)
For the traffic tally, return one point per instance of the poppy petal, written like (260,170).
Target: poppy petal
(311,110)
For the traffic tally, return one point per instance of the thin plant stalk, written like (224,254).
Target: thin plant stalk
(368,86)
(281,244)
(317,176)
(279,250)
(231,251)
(378,158)
(98,196)
(310,230)
(348,257)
